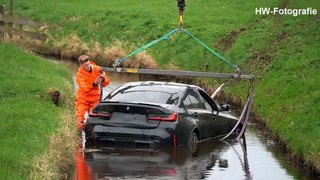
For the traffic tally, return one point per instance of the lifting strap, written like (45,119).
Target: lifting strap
(144,47)
(245,114)
(166,36)
(246,118)
(212,51)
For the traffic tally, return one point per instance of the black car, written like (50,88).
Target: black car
(150,114)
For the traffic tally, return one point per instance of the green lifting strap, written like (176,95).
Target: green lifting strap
(164,37)
(212,51)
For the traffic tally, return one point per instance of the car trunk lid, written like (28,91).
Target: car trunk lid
(135,115)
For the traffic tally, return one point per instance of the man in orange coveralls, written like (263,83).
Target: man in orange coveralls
(88,78)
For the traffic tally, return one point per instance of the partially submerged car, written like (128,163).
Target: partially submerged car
(148,114)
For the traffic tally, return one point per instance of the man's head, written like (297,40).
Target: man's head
(84,62)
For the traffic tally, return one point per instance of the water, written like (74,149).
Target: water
(251,158)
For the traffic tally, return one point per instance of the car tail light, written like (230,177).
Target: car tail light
(92,114)
(163,117)
(160,171)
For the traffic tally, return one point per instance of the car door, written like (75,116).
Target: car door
(196,108)
(215,122)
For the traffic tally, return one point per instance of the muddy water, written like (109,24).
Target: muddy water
(251,158)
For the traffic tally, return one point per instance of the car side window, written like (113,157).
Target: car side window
(208,107)
(209,103)
(192,100)
(187,102)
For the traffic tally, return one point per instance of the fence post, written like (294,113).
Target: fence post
(10,16)
(11,8)
(1,22)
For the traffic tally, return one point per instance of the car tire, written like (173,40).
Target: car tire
(193,143)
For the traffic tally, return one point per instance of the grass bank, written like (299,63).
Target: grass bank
(36,135)
(281,50)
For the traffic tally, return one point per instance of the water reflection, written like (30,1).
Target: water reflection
(82,171)
(130,164)
(176,163)
(244,159)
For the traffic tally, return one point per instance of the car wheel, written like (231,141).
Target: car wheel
(193,143)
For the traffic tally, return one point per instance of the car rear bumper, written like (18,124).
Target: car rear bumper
(112,137)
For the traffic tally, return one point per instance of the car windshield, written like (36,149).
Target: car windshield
(148,95)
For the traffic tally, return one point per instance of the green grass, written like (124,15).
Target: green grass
(291,104)
(138,22)
(283,52)
(28,116)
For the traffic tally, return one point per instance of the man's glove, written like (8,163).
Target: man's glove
(98,81)
(102,78)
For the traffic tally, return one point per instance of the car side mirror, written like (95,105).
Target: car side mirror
(224,107)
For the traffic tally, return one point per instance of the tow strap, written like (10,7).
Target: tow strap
(165,37)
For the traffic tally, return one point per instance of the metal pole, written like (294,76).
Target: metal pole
(101,92)
(180,73)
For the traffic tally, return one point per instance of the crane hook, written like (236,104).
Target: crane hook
(181,5)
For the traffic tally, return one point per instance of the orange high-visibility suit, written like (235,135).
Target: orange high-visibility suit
(88,94)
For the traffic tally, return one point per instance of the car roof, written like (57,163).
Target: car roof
(160,84)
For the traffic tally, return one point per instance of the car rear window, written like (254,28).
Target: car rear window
(147,94)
